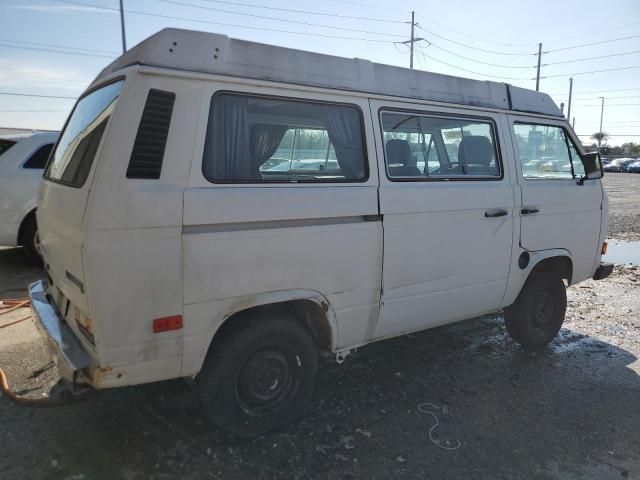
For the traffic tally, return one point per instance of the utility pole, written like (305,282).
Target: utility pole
(562,107)
(573,125)
(413,39)
(570,92)
(538,73)
(601,114)
(124,38)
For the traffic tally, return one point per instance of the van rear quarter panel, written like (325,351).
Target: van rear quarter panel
(132,257)
(248,244)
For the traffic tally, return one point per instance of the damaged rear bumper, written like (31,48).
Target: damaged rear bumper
(67,351)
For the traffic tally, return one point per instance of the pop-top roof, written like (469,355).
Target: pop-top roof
(212,53)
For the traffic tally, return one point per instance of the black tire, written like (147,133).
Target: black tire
(537,315)
(258,377)
(28,239)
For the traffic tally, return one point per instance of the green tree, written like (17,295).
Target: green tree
(601,137)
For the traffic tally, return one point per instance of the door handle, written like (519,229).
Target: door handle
(499,212)
(529,210)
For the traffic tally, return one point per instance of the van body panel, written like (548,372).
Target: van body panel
(443,259)
(241,240)
(569,215)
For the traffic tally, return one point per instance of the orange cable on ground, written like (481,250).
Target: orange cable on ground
(7,306)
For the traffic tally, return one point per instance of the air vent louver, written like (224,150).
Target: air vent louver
(148,148)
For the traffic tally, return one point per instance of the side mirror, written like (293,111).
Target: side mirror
(592,166)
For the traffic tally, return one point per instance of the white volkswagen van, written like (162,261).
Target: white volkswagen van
(226,210)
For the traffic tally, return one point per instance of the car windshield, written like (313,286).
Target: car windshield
(79,142)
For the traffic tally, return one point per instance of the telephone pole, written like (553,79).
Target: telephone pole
(413,38)
(600,132)
(538,73)
(570,92)
(124,38)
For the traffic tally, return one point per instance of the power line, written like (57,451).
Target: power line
(613,105)
(37,96)
(31,111)
(611,135)
(51,45)
(592,58)
(431,44)
(473,36)
(601,91)
(424,55)
(51,50)
(208,22)
(306,12)
(593,43)
(592,71)
(45,78)
(470,46)
(253,15)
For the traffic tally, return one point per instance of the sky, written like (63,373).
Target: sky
(56,47)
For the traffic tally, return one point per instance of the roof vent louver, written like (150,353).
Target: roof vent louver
(151,139)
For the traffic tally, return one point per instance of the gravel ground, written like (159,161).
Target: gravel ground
(624,205)
(569,412)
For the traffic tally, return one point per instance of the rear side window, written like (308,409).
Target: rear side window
(433,147)
(546,152)
(257,139)
(6,145)
(39,159)
(76,149)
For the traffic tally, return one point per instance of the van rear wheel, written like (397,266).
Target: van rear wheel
(259,377)
(538,313)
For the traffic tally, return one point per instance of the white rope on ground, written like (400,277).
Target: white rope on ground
(424,408)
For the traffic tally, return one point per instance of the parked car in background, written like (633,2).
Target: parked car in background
(634,167)
(618,165)
(22,161)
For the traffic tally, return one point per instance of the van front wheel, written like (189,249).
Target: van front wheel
(258,377)
(537,315)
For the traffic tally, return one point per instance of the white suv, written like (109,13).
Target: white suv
(22,160)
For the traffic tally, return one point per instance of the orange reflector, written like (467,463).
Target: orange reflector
(165,324)
(604,248)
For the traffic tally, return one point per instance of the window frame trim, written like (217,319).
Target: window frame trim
(64,127)
(567,139)
(363,135)
(462,178)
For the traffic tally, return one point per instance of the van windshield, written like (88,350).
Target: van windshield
(72,159)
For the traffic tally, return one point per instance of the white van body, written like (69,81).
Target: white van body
(356,261)
(21,167)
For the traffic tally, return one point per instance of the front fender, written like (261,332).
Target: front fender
(516,282)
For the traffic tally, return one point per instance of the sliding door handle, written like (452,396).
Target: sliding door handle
(529,210)
(498,212)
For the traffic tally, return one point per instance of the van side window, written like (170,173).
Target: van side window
(39,159)
(546,152)
(257,139)
(436,147)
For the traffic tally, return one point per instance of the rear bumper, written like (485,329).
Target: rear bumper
(69,355)
(603,271)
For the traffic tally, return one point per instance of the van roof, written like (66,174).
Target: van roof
(218,54)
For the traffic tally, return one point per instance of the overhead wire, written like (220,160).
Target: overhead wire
(37,96)
(209,22)
(298,22)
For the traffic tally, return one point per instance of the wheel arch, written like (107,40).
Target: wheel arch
(31,213)
(310,308)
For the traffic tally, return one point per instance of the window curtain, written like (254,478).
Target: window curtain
(227,152)
(264,142)
(343,126)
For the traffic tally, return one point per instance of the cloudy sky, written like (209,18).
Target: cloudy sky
(53,48)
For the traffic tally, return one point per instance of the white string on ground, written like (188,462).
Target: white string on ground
(424,408)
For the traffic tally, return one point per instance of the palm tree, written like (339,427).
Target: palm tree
(600,137)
